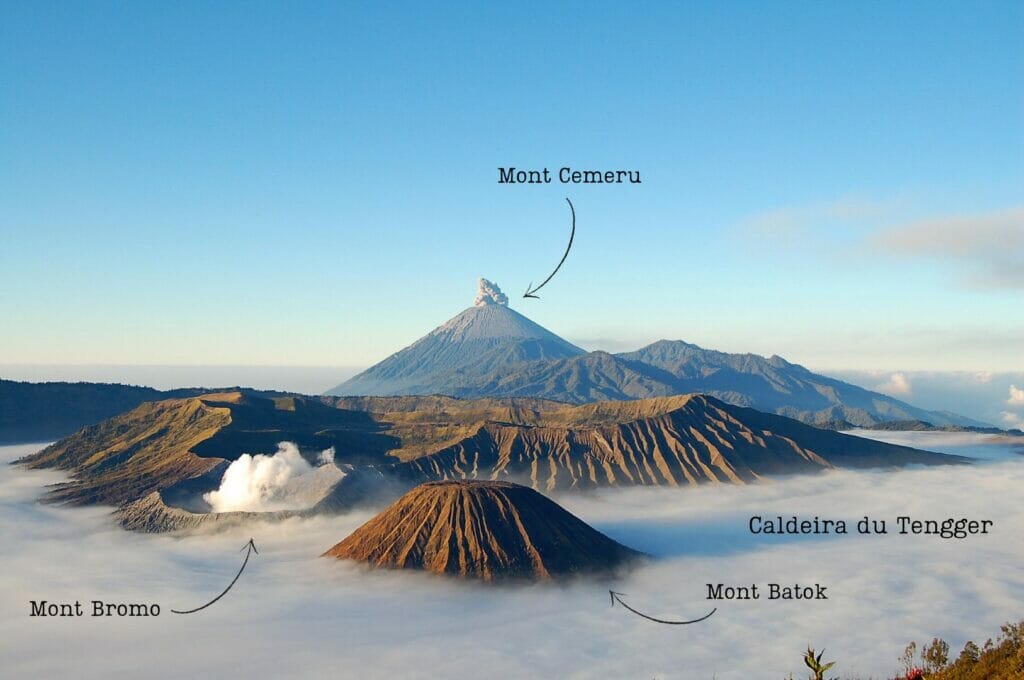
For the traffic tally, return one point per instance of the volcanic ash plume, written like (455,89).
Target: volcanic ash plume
(488,293)
(263,483)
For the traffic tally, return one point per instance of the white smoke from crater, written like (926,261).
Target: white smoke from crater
(262,483)
(488,293)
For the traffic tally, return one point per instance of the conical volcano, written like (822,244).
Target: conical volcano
(486,530)
(485,338)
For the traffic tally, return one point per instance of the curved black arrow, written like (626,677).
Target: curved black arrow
(615,598)
(252,549)
(530,290)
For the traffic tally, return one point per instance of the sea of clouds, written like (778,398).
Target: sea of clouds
(994,398)
(295,614)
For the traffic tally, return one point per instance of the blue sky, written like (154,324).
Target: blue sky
(250,183)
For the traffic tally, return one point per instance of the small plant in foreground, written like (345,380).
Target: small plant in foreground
(907,660)
(813,662)
(935,656)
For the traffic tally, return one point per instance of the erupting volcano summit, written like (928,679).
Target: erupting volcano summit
(487,336)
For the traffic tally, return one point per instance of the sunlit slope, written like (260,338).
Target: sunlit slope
(484,530)
(180,447)
(672,441)
(161,445)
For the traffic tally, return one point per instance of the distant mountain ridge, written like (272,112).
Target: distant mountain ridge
(178,449)
(45,411)
(493,351)
(775,385)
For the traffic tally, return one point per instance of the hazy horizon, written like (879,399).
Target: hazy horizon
(982,395)
(300,379)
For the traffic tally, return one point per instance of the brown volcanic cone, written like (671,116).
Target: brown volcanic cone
(487,530)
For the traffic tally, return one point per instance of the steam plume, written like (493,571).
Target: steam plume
(488,293)
(260,483)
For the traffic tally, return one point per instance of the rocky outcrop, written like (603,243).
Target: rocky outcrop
(134,454)
(152,515)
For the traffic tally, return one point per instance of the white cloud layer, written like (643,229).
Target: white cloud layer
(1012,420)
(983,377)
(1016,396)
(981,395)
(290,610)
(898,385)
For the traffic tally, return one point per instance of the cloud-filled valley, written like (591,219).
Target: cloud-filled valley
(297,614)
